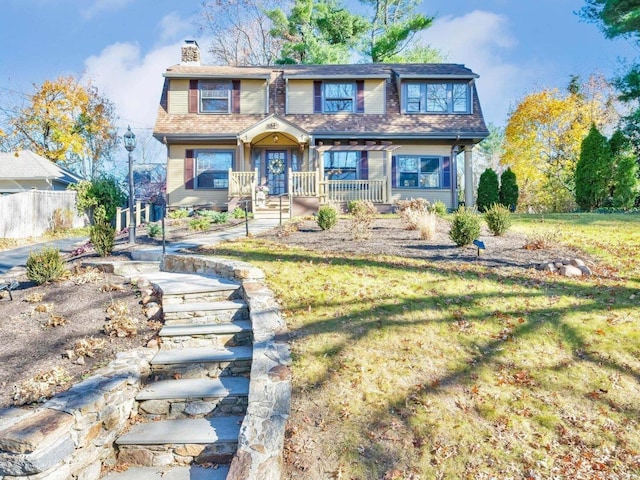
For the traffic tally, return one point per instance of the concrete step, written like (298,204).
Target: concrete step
(166,442)
(124,269)
(184,287)
(201,362)
(271,214)
(202,313)
(217,335)
(189,398)
(193,472)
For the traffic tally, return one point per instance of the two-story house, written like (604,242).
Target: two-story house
(317,133)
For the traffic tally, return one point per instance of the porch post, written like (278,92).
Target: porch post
(468,177)
(388,172)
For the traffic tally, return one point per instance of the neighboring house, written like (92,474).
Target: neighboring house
(24,170)
(317,133)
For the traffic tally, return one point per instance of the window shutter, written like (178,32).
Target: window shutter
(189,170)
(235,96)
(364,165)
(394,179)
(360,96)
(317,96)
(446,172)
(193,96)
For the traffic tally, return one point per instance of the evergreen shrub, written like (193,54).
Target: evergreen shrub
(465,227)
(498,219)
(327,217)
(45,266)
(509,190)
(103,238)
(488,190)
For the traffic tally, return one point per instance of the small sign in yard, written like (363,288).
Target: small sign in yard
(480,245)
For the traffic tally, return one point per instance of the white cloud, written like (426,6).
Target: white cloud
(174,27)
(481,40)
(97,6)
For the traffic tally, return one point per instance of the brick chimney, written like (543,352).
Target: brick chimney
(190,53)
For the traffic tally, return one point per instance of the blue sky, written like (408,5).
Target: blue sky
(124,46)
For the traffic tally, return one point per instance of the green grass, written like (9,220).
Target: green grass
(412,369)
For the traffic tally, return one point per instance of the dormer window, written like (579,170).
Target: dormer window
(215,97)
(339,97)
(436,97)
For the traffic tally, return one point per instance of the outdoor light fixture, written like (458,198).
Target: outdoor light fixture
(130,144)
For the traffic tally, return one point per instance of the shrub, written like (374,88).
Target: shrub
(488,190)
(509,190)
(351,205)
(200,224)
(102,196)
(439,208)
(327,217)
(214,216)
(45,266)
(498,219)
(153,230)
(239,213)
(427,226)
(465,227)
(180,213)
(103,237)
(363,215)
(413,210)
(412,204)
(544,240)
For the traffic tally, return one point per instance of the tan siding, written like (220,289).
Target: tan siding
(376,165)
(178,97)
(180,196)
(417,149)
(300,97)
(374,96)
(253,96)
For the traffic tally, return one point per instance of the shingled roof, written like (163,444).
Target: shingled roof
(26,165)
(392,124)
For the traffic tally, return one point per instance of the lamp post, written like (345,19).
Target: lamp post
(130,144)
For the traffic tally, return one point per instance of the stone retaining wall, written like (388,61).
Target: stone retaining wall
(259,455)
(71,436)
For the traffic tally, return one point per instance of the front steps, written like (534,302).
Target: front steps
(191,410)
(271,209)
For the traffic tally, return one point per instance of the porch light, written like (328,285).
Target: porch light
(130,144)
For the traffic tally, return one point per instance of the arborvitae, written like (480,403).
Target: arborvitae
(625,180)
(509,190)
(593,171)
(488,190)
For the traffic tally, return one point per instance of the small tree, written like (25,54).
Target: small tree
(625,179)
(488,190)
(593,171)
(509,190)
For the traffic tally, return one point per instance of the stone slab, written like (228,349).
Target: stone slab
(33,431)
(192,472)
(204,306)
(184,431)
(202,355)
(211,329)
(184,283)
(195,388)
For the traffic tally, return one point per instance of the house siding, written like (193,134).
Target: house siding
(176,191)
(376,165)
(374,96)
(300,97)
(179,97)
(253,96)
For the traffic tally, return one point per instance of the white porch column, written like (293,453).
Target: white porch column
(388,173)
(468,177)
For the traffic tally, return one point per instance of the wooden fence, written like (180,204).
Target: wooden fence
(32,213)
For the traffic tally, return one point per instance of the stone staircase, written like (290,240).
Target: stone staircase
(191,410)
(271,209)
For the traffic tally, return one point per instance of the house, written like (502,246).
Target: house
(24,170)
(317,133)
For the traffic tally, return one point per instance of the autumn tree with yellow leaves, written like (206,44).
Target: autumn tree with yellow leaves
(65,122)
(543,138)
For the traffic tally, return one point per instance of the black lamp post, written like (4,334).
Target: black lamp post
(130,145)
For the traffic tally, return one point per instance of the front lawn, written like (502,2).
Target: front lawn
(409,368)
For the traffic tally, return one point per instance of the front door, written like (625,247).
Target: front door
(276,171)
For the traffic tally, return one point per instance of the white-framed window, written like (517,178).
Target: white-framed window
(339,97)
(341,165)
(212,168)
(215,96)
(436,97)
(415,171)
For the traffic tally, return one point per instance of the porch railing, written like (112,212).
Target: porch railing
(303,184)
(242,184)
(348,190)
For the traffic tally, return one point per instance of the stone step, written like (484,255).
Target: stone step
(216,335)
(201,362)
(204,312)
(184,287)
(188,398)
(166,442)
(193,472)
